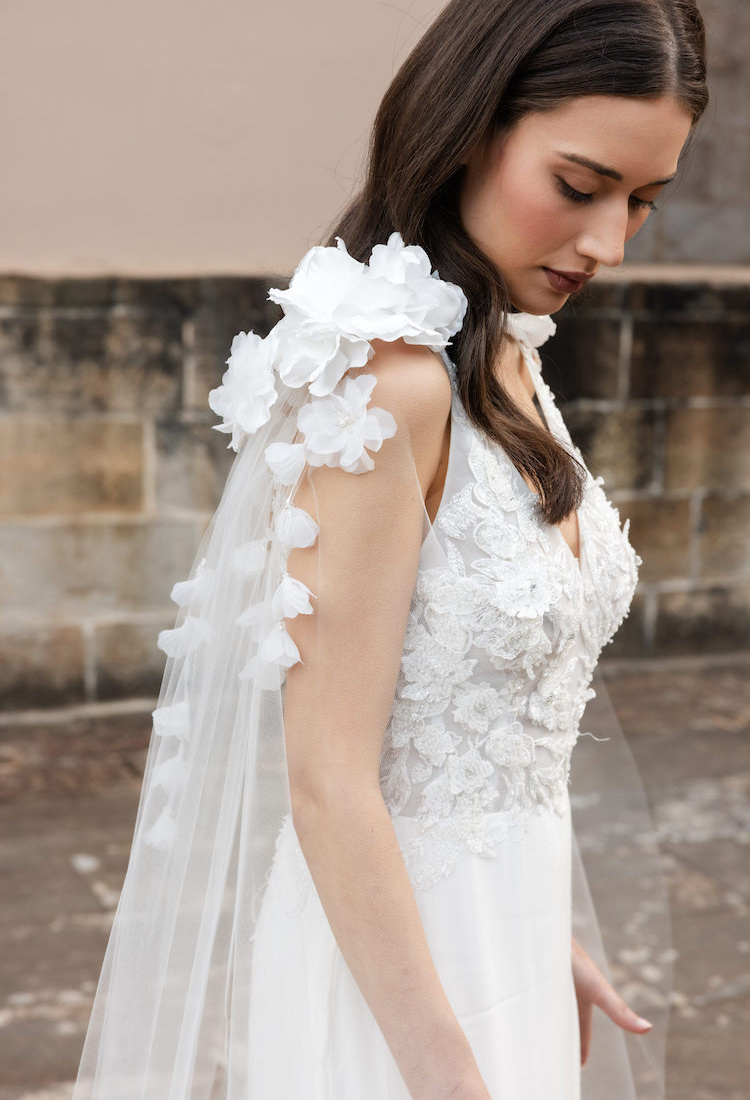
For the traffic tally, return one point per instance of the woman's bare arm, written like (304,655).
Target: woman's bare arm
(363,571)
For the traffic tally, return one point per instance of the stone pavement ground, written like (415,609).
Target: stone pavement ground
(70,785)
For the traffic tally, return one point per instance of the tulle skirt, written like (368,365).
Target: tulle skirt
(499,931)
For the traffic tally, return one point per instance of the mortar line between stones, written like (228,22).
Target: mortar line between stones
(623,365)
(659,461)
(89,660)
(696,518)
(150,459)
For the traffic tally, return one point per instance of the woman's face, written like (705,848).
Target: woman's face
(563,190)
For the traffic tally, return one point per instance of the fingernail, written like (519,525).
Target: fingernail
(643,1023)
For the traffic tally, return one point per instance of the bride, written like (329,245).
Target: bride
(351,875)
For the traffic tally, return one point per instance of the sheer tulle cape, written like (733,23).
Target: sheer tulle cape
(171,1014)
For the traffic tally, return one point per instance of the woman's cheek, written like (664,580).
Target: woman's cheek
(544,223)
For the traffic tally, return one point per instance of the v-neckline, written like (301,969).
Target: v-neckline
(536,379)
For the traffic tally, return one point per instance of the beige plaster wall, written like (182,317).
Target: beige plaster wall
(173,137)
(183,137)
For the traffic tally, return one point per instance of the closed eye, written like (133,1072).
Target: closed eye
(585,197)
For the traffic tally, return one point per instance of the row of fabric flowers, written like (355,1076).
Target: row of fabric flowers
(334,307)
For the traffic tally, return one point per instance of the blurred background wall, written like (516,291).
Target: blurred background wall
(164,164)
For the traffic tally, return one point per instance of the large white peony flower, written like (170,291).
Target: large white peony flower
(315,356)
(247,391)
(339,428)
(423,309)
(336,305)
(318,341)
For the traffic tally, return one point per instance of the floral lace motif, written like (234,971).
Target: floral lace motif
(500,647)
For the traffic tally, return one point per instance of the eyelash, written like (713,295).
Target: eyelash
(583,196)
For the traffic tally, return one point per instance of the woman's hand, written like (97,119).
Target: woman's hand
(592,988)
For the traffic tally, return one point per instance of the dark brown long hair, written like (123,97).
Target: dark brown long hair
(480,67)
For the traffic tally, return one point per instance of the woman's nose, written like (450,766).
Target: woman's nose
(604,238)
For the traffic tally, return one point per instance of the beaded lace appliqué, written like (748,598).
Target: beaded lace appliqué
(500,647)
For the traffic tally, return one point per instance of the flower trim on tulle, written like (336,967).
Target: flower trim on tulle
(334,308)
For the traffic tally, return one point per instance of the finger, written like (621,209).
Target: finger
(620,1012)
(585,1013)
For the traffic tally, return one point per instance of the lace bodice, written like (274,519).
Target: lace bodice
(505,625)
(504,631)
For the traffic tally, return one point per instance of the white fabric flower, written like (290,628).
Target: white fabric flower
(286,461)
(264,674)
(509,746)
(317,357)
(316,338)
(185,638)
(477,706)
(423,309)
(279,648)
(530,329)
(249,559)
(194,589)
(162,833)
(291,598)
(336,305)
(247,391)
(296,527)
(340,429)
(172,721)
(170,775)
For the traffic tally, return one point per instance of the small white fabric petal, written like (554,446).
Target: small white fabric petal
(185,638)
(172,721)
(185,591)
(530,328)
(295,527)
(252,618)
(279,648)
(249,559)
(291,598)
(162,833)
(266,675)
(286,461)
(170,775)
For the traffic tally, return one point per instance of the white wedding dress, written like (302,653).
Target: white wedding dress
(222,978)
(505,628)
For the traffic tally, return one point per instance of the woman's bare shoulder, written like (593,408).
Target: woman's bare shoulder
(412,381)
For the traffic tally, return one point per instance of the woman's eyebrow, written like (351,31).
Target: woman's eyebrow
(610,173)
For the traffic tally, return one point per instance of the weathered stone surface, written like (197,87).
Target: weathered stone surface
(712,620)
(660,531)
(59,466)
(41,666)
(90,360)
(30,294)
(688,301)
(583,357)
(617,445)
(192,465)
(76,758)
(127,661)
(86,568)
(695,359)
(725,535)
(684,723)
(708,448)
(227,306)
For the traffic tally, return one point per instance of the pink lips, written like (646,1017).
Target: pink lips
(567,281)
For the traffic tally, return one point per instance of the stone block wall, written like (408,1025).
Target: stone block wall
(110,470)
